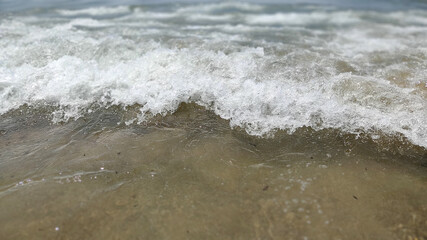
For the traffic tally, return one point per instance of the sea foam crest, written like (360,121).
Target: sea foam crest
(228,84)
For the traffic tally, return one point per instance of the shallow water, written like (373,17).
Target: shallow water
(213,120)
(188,175)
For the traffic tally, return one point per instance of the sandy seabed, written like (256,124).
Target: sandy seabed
(189,176)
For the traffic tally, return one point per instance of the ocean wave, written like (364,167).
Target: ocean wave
(365,77)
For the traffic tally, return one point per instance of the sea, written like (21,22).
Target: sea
(293,119)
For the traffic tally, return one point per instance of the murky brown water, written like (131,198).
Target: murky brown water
(189,176)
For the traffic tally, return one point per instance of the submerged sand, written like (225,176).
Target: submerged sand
(189,176)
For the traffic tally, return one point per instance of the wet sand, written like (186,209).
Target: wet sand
(189,176)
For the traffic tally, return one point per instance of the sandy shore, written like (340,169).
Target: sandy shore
(201,180)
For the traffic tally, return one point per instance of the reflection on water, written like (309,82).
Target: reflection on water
(188,175)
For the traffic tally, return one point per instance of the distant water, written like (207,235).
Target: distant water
(16,5)
(355,66)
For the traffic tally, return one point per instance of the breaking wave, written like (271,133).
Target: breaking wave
(261,67)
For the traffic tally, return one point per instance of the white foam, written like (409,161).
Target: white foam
(98,11)
(347,17)
(261,77)
(141,14)
(358,41)
(87,22)
(411,17)
(220,6)
(204,17)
